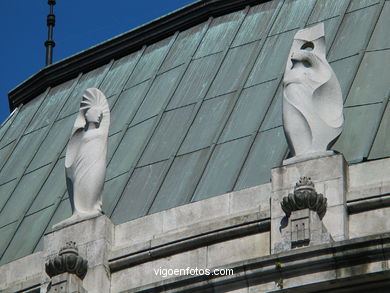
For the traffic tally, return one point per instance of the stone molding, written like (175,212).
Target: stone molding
(121,260)
(323,262)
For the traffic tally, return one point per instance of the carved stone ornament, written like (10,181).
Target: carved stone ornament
(304,196)
(85,161)
(312,101)
(67,261)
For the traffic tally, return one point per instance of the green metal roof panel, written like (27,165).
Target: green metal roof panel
(232,68)
(5,191)
(21,121)
(180,183)
(345,70)
(4,152)
(52,189)
(128,149)
(113,142)
(269,65)
(62,211)
(126,106)
(184,46)
(21,196)
(257,18)
(4,126)
(158,94)
(195,114)
(49,108)
(273,117)
(118,74)
(112,190)
(206,124)
(138,196)
(379,39)
(358,4)
(222,171)
(267,152)
(353,33)
(220,34)
(327,9)
(53,144)
(240,123)
(166,135)
(90,79)
(150,62)
(361,123)
(331,28)
(381,145)
(372,82)
(21,155)
(293,15)
(28,234)
(6,233)
(196,81)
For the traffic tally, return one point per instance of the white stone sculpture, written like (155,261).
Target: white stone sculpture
(312,100)
(85,161)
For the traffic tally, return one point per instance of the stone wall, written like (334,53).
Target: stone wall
(238,231)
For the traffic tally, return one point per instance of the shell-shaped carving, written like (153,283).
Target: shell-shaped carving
(68,261)
(304,197)
(67,264)
(94,98)
(312,100)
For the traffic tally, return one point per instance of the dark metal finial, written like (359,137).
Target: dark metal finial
(49,44)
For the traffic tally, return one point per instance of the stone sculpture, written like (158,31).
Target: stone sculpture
(85,162)
(312,100)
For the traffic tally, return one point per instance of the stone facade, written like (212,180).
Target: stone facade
(239,231)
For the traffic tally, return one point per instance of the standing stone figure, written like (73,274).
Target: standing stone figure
(85,161)
(312,101)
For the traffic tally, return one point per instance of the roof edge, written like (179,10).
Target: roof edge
(121,45)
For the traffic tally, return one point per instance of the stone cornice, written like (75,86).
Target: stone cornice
(122,45)
(325,259)
(121,260)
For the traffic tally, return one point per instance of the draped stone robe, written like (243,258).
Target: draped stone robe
(85,161)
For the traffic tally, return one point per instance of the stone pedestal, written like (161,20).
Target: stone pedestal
(94,238)
(329,175)
(304,228)
(66,283)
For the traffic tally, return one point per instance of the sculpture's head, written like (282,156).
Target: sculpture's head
(307,67)
(93,115)
(93,107)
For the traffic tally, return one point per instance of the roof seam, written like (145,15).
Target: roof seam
(117,198)
(196,109)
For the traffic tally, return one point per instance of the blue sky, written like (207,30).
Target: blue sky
(80,24)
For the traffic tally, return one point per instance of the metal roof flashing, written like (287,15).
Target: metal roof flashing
(121,45)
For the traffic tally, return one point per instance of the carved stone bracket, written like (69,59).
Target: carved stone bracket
(304,197)
(67,261)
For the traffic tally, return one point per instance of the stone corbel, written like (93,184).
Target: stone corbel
(67,270)
(304,209)
(304,197)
